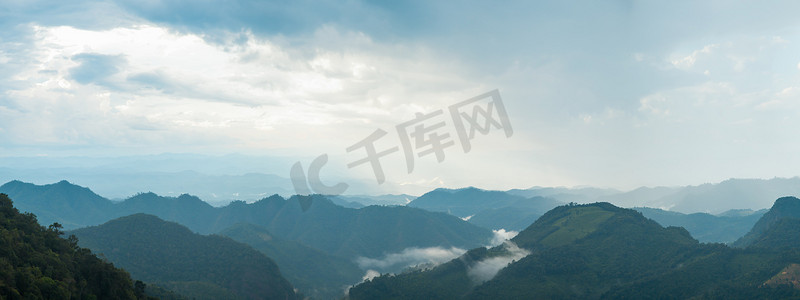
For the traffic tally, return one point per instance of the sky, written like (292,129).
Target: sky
(613,94)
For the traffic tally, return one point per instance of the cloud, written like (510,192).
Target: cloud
(154,78)
(410,257)
(501,235)
(486,269)
(589,88)
(369,275)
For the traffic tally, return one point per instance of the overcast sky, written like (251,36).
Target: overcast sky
(602,93)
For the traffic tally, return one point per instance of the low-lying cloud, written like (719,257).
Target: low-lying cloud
(409,257)
(486,269)
(501,235)
(369,275)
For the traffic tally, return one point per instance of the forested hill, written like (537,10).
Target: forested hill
(596,251)
(36,263)
(316,274)
(197,266)
(783,208)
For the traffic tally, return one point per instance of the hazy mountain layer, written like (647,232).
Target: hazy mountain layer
(314,221)
(707,228)
(488,209)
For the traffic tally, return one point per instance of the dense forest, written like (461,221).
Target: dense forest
(37,263)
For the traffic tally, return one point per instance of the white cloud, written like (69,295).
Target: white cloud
(256,94)
(501,235)
(486,269)
(689,61)
(369,275)
(316,81)
(410,257)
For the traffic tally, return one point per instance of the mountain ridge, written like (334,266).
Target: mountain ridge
(171,255)
(596,251)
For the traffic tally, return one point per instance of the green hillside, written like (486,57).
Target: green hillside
(783,234)
(596,251)
(197,266)
(315,273)
(784,207)
(36,263)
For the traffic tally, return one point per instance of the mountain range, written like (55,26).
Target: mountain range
(323,225)
(712,198)
(325,233)
(320,247)
(707,228)
(599,250)
(510,210)
(489,209)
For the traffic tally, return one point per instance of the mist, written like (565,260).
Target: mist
(486,269)
(409,257)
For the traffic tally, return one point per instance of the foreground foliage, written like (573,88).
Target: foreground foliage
(36,263)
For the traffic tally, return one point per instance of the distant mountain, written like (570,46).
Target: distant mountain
(369,232)
(170,255)
(512,217)
(710,198)
(75,206)
(707,228)
(741,212)
(463,202)
(186,210)
(35,263)
(217,179)
(345,232)
(489,209)
(641,197)
(70,205)
(565,195)
(346,202)
(783,208)
(358,201)
(315,273)
(589,252)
